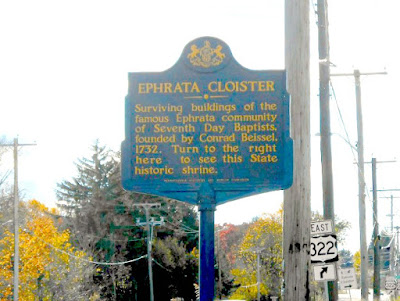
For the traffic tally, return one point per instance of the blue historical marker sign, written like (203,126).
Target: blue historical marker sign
(207,120)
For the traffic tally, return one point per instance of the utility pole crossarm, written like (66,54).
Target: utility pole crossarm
(391,210)
(359,73)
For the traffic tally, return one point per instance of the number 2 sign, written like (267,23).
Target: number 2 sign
(323,249)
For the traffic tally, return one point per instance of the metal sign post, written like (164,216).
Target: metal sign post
(207,244)
(324,252)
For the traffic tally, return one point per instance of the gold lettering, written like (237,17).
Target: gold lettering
(141,88)
(254,158)
(211,87)
(154,170)
(178,88)
(198,170)
(243,87)
(168,88)
(270,86)
(240,86)
(146,160)
(185,149)
(209,138)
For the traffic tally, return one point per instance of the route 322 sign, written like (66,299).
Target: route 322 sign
(323,249)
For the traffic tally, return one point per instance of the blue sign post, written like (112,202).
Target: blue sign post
(207,131)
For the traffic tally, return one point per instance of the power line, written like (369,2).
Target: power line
(86,260)
(347,139)
(352,148)
(160,265)
(361,179)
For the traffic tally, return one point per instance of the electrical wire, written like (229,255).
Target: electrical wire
(366,189)
(342,120)
(160,265)
(247,286)
(187,229)
(87,260)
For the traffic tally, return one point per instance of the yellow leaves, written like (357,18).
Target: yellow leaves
(43,251)
(263,238)
(248,285)
(266,232)
(195,253)
(6,266)
(94,297)
(357,262)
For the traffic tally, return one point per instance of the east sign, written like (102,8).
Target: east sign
(207,122)
(321,227)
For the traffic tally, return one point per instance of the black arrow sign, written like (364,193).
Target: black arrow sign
(323,270)
(348,286)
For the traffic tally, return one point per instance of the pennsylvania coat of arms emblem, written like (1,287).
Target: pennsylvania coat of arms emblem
(206,56)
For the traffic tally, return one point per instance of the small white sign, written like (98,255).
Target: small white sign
(347,279)
(390,284)
(321,227)
(323,249)
(325,272)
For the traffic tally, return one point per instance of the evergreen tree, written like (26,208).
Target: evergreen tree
(103,217)
(90,202)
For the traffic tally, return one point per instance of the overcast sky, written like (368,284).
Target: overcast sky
(63,80)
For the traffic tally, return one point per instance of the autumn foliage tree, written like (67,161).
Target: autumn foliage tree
(263,238)
(50,268)
(228,237)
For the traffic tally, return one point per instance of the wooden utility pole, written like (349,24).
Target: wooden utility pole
(392,263)
(377,262)
(361,181)
(16,218)
(391,210)
(325,126)
(149,224)
(361,191)
(391,214)
(297,211)
(16,223)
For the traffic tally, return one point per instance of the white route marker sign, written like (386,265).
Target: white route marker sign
(391,285)
(323,249)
